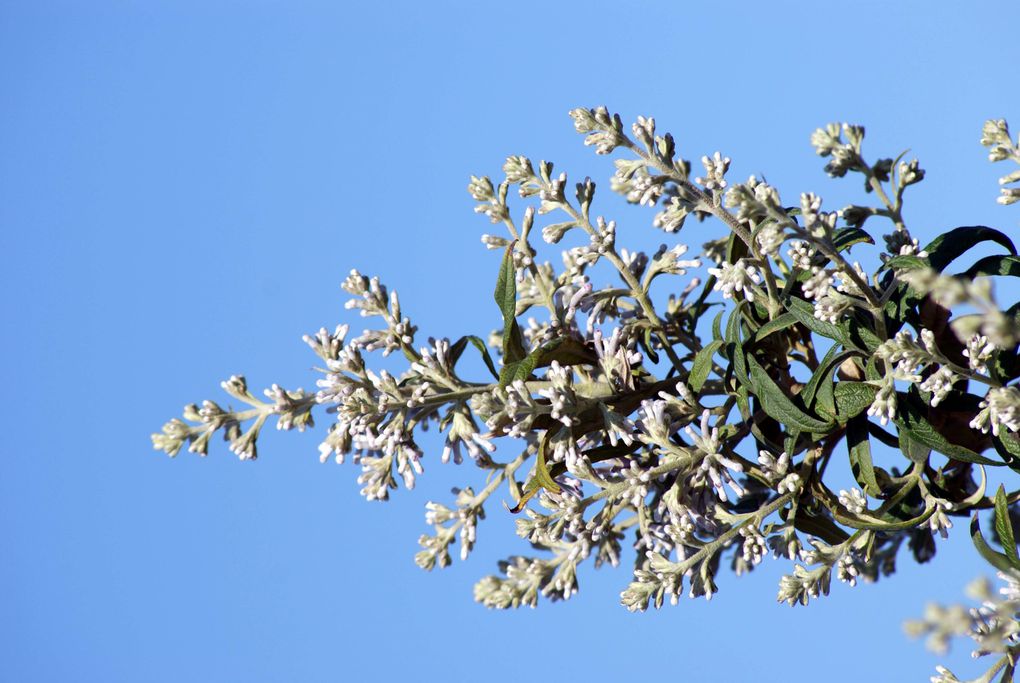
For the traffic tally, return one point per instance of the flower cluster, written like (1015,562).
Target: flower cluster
(696,427)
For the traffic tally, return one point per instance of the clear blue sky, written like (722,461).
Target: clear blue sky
(184,185)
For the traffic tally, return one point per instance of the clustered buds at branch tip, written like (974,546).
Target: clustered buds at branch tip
(689,406)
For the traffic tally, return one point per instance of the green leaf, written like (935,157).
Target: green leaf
(859,446)
(735,344)
(871,372)
(717,325)
(859,336)
(699,306)
(780,323)
(736,249)
(566,351)
(847,237)
(646,345)
(912,448)
(541,479)
(997,560)
(905,262)
(1004,527)
(913,423)
(458,349)
(563,350)
(853,398)
(945,248)
(1007,446)
(506,298)
(790,442)
(994,265)
(825,400)
(702,365)
(778,405)
(902,306)
(805,314)
(832,358)
(816,525)
(520,369)
(542,470)
(743,402)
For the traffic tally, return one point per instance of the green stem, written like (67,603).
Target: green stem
(636,290)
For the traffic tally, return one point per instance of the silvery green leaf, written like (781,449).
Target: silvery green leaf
(702,365)
(1004,527)
(996,559)
(506,298)
(948,246)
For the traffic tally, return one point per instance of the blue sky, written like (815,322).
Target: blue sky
(184,186)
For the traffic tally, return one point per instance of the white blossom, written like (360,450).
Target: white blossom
(738,277)
(940,383)
(1000,408)
(715,168)
(801,254)
(884,405)
(853,500)
(979,350)
(817,286)
(830,308)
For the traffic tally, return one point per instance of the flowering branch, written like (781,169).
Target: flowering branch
(788,355)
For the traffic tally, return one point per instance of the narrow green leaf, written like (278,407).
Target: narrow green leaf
(832,358)
(805,314)
(506,298)
(778,405)
(825,399)
(847,237)
(702,365)
(564,350)
(816,525)
(457,349)
(541,479)
(945,248)
(871,372)
(911,421)
(519,370)
(1007,446)
(902,306)
(859,336)
(905,262)
(859,446)
(646,345)
(717,325)
(736,344)
(912,448)
(743,402)
(790,442)
(735,249)
(542,470)
(853,398)
(780,323)
(997,560)
(1004,527)
(994,265)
